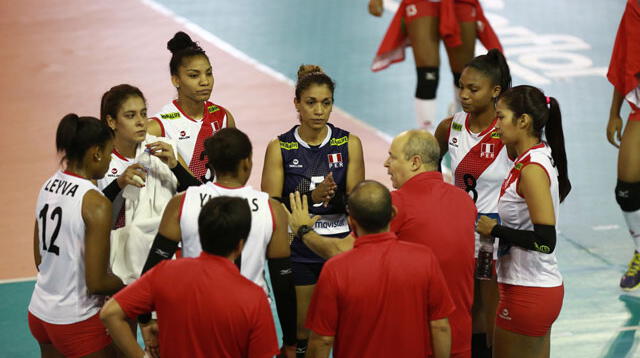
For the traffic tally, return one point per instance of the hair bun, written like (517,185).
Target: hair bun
(179,42)
(305,70)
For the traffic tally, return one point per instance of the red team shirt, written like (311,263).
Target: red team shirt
(378,299)
(442,217)
(205,308)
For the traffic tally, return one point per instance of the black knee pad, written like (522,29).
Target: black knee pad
(456,79)
(628,195)
(427,82)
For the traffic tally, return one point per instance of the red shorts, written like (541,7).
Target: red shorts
(465,12)
(528,310)
(72,340)
(634,115)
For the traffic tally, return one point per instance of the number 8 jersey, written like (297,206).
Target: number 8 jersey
(479,162)
(60,295)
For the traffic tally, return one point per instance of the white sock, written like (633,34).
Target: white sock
(633,223)
(426,114)
(455,106)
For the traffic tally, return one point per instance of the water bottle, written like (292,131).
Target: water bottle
(132,192)
(484,264)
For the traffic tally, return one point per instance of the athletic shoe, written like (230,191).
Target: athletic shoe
(631,279)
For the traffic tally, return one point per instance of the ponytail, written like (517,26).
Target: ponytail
(75,135)
(181,47)
(495,66)
(545,113)
(555,138)
(312,75)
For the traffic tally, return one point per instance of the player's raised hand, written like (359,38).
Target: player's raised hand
(299,214)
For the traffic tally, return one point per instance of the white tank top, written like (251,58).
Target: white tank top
(184,130)
(521,266)
(479,162)
(253,255)
(60,295)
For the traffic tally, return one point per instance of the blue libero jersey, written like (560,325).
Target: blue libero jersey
(305,167)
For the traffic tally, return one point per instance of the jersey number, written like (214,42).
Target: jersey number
(55,214)
(470,186)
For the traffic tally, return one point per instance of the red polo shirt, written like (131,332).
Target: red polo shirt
(441,216)
(205,308)
(377,299)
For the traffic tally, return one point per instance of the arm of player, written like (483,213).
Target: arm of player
(355,169)
(319,346)
(272,171)
(279,262)
(323,246)
(440,337)
(442,135)
(36,246)
(96,213)
(114,319)
(614,126)
(534,186)
(231,122)
(154,127)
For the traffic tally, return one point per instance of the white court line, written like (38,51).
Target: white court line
(231,50)
(20,279)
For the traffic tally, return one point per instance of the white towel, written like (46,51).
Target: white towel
(130,244)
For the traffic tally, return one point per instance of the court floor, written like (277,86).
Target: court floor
(59,56)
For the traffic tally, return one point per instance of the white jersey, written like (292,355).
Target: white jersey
(185,131)
(520,266)
(253,255)
(479,162)
(60,295)
(634,96)
(119,163)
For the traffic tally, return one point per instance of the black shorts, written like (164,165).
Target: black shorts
(306,273)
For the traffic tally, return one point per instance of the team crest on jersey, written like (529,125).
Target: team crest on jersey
(454,142)
(487,150)
(295,163)
(172,115)
(335,160)
(183,135)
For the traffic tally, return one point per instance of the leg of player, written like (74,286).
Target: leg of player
(513,345)
(49,351)
(485,304)
(303,299)
(628,196)
(423,34)
(458,57)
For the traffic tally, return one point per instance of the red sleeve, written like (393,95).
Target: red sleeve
(439,302)
(263,341)
(398,220)
(322,317)
(137,298)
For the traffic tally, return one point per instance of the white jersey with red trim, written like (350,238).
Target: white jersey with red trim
(175,124)
(479,163)
(119,163)
(252,259)
(518,266)
(60,294)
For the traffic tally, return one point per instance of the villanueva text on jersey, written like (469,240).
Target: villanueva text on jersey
(204,198)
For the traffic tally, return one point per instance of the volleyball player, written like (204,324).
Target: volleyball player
(322,161)
(71,246)
(531,286)
(191,118)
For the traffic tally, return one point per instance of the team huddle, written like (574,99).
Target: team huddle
(151,224)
